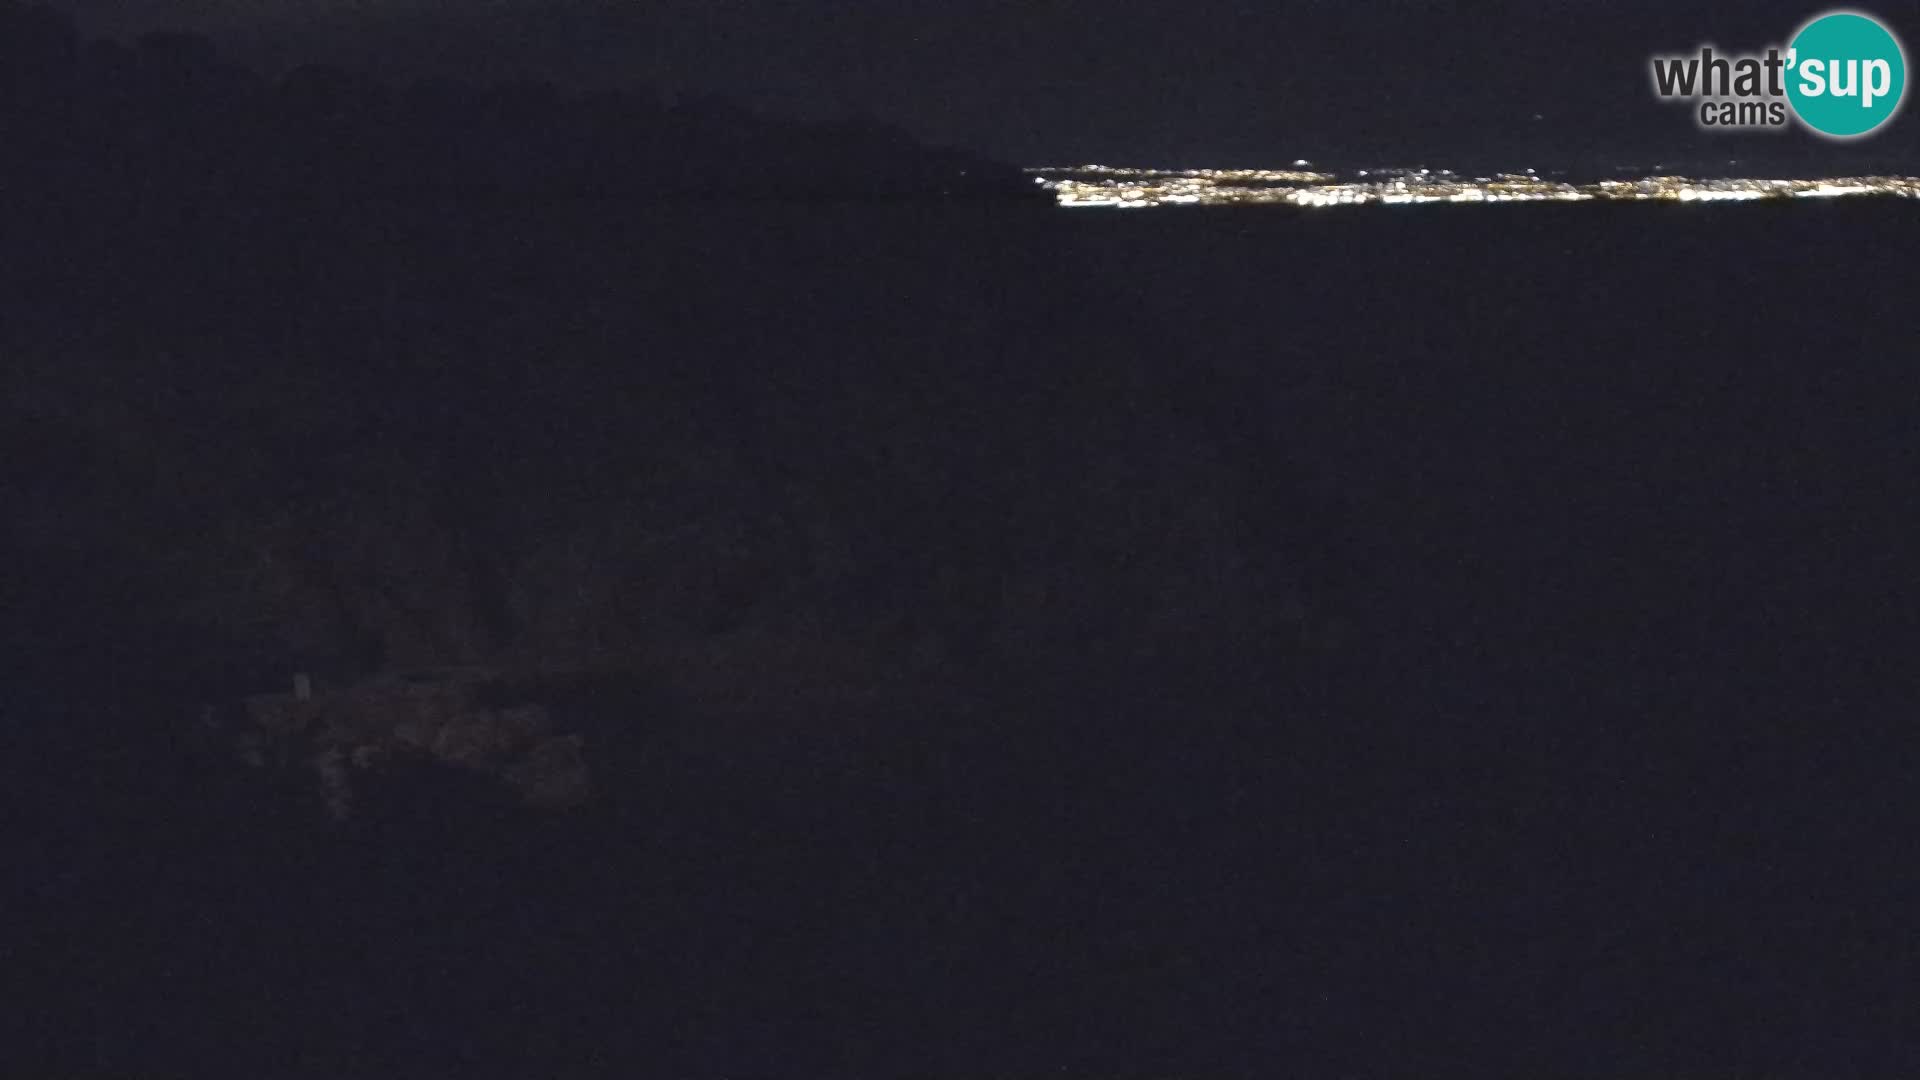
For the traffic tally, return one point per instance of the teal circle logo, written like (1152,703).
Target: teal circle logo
(1847,74)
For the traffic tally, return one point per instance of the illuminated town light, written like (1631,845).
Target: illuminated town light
(1097,185)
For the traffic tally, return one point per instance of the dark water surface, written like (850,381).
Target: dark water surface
(1582,742)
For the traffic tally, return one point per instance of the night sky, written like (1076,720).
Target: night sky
(1217,82)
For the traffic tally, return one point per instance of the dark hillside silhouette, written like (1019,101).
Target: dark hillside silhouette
(849,539)
(166,116)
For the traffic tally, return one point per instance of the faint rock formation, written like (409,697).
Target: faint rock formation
(452,717)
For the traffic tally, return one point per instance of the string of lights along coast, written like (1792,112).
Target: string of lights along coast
(1126,188)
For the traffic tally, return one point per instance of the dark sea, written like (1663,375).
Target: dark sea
(1405,637)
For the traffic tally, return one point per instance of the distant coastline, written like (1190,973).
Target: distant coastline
(1089,186)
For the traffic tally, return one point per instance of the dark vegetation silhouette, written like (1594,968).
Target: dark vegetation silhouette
(769,457)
